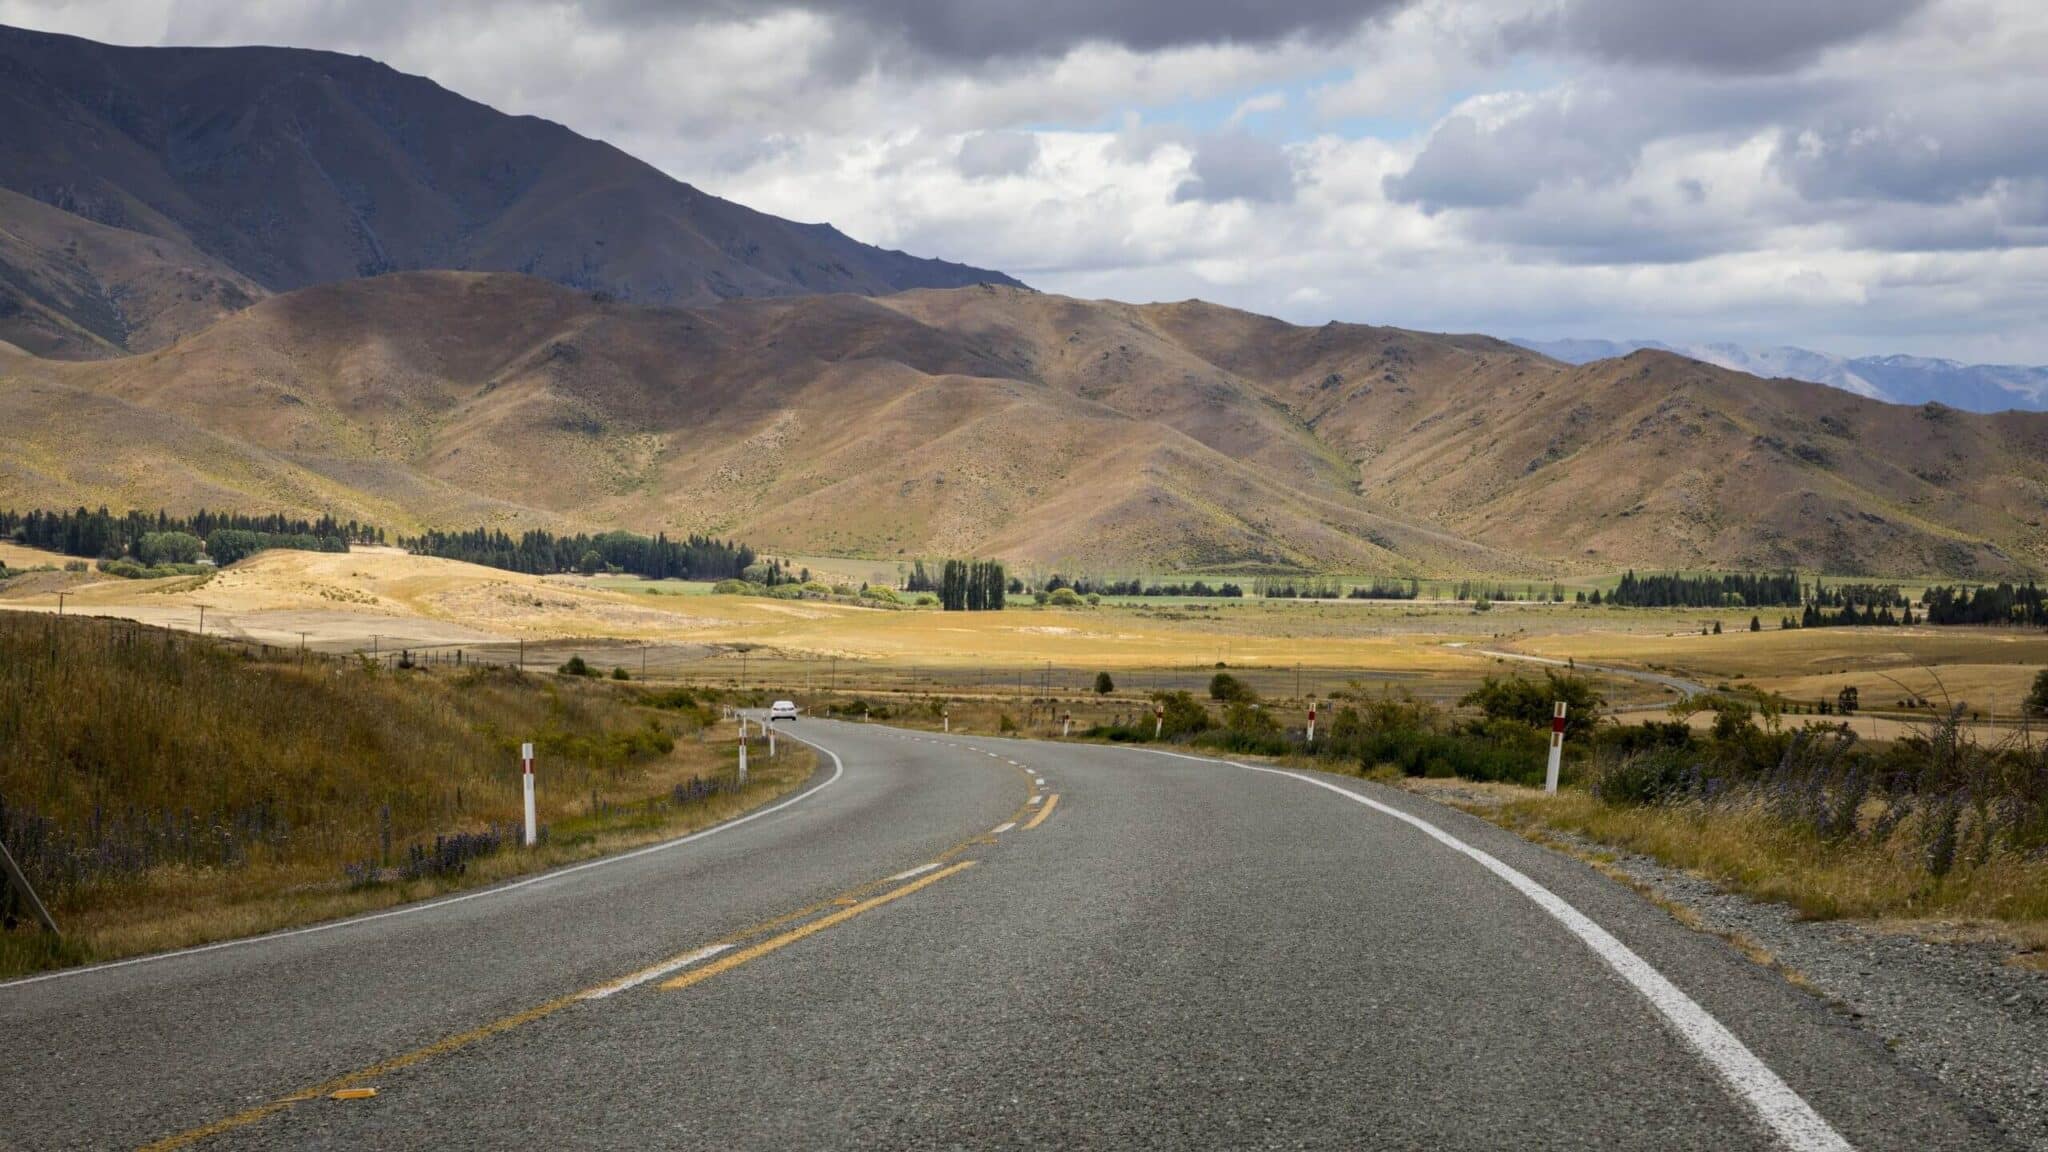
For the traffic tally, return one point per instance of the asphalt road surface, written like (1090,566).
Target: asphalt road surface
(931,949)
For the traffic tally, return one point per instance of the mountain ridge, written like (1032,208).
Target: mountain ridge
(284,168)
(1896,378)
(1037,428)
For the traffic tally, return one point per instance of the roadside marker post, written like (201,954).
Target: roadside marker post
(526,773)
(1067,725)
(1311,723)
(1556,749)
(15,877)
(771,741)
(743,753)
(1158,719)
(947,721)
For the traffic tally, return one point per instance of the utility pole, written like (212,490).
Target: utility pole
(60,602)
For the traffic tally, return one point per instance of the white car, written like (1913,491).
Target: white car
(782,710)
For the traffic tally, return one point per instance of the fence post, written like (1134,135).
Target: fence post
(1556,749)
(28,894)
(526,773)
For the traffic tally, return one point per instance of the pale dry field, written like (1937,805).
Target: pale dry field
(385,599)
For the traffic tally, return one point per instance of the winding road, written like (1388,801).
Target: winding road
(966,942)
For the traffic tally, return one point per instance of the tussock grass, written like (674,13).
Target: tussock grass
(1769,859)
(164,791)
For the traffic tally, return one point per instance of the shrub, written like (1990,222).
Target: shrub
(881,595)
(1646,777)
(1005,724)
(732,588)
(1530,701)
(1227,689)
(621,674)
(575,666)
(1103,684)
(1065,598)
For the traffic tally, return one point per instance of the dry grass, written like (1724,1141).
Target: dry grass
(164,791)
(1768,860)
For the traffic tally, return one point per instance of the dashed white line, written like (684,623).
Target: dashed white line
(654,973)
(999,829)
(917,871)
(1034,800)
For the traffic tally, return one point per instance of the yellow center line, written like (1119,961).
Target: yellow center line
(745,955)
(1044,811)
(449,1044)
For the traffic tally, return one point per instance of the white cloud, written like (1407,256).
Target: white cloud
(1859,177)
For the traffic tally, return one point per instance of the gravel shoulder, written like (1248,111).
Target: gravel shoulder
(1950,1007)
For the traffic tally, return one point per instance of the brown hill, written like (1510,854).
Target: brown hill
(285,168)
(1005,422)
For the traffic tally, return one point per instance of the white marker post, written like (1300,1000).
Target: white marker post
(1067,725)
(526,773)
(743,754)
(1158,719)
(1556,749)
(946,720)
(771,741)
(1311,723)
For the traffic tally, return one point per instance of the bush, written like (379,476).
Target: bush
(1530,701)
(1648,777)
(881,595)
(1065,598)
(1103,684)
(621,674)
(732,588)
(575,666)
(1227,689)
(1005,724)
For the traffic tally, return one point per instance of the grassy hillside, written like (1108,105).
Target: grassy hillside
(1066,433)
(162,790)
(229,168)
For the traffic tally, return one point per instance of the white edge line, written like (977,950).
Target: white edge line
(999,829)
(1788,1116)
(838,770)
(920,870)
(654,973)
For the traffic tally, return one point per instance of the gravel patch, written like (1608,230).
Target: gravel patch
(1956,1010)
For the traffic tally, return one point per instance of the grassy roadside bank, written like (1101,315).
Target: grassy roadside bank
(163,791)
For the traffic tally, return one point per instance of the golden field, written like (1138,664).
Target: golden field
(385,600)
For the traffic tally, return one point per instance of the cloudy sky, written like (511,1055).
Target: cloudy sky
(1857,176)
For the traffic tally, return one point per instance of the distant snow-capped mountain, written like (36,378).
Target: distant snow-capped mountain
(1897,379)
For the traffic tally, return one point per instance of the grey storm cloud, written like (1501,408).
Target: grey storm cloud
(970,30)
(1237,166)
(986,155)
(1733,36)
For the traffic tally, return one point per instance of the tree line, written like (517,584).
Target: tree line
(972,586)
(2004,604)
(542,553)
(163,538)
(1672,590)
